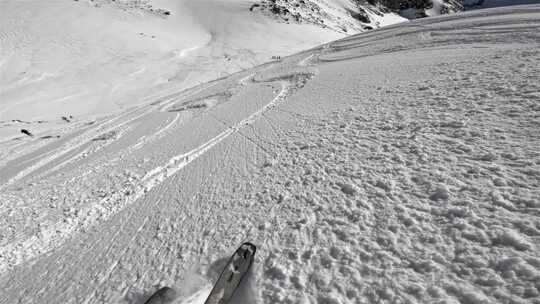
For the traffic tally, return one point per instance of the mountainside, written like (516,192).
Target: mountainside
(400,165)
(75,61)
(360,15)
(347,16)
(66,62)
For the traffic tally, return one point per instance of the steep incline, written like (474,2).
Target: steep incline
(67,62)
(400,165)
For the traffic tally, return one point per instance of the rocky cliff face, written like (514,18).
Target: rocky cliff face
(352,16)
(422,8)
(348,16)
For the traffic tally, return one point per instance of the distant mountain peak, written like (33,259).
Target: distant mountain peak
(352,16)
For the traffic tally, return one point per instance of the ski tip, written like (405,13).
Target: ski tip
(250,245)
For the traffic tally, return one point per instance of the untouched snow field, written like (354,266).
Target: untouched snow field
(396,166)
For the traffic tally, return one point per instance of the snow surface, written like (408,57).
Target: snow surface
(76,61)
(85,59)
(396,166)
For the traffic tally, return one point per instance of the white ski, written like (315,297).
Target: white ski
(233,273)
(231,276)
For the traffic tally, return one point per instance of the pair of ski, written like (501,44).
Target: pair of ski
(236,269)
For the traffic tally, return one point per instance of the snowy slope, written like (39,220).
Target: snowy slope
(86,58)
(396,166)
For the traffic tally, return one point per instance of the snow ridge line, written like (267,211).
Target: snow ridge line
(52,236)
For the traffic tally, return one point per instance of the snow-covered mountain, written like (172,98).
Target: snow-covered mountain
(347,16)
(80,60)
(360,15)
(413,9)
(399,165)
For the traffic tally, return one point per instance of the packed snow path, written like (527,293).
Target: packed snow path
(397,166)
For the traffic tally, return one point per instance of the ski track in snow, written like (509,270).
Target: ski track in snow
(400,165)
(55,234)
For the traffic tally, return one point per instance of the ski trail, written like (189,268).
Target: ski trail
(244,80)
(105,276)
(85,151)
(305,61)
(176,163)
(74,144)
(103,128)
(145,140)
(168,126)
(54,235)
